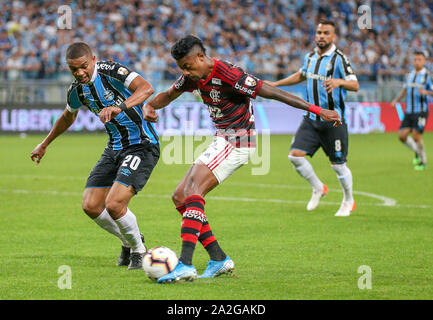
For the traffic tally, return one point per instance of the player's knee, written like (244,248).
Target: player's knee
(296,153)
(177,197)
(114,207)
(402,137)
(91,208)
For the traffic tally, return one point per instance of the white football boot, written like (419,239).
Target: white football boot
(315,198)
(346,208)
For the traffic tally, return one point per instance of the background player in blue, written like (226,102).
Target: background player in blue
(416,88)
(116,94)
(328,74)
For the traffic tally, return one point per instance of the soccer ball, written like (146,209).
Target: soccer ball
(159,261)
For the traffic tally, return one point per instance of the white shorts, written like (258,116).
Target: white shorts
(223,159)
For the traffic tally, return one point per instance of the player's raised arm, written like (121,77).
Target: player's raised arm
(295,78)
(61,125)
(160,101)
(270,92)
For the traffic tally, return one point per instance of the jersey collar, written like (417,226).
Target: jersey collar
(95,73)
(328,52)
(203,82)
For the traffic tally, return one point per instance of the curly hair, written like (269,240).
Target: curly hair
(183,46)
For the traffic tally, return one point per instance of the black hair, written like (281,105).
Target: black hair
(183,46)
(420,52)
(78,50)
(329,22)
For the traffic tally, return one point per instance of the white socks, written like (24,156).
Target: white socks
(129,228)
(421,151)
(304,168)
(105,221)
(344,176)
(411,144)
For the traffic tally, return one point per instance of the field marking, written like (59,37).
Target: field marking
(242,199)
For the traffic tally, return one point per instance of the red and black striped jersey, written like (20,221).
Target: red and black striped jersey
(227,92)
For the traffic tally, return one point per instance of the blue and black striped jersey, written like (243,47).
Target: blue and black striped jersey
(109,87)
(416,102)
(332,64)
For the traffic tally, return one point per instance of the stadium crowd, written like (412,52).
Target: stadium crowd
(266,37)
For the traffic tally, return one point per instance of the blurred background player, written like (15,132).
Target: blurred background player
(226,90)
(328,74)
(416,88)
(116,94)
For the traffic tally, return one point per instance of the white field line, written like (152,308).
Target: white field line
(242,199)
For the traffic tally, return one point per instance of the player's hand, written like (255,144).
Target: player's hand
(149,113)
(393,103)
(423,91)
(331,84)
(38,152)
(108,113)
(331,116)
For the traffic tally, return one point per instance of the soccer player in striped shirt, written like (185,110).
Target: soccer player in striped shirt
(329,76)
(226,90)
(115,94)
(417,86)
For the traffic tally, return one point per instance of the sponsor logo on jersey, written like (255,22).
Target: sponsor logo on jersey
(105,66)
(244,89)
(123,71)
(249,81)
(216,81)
(178,84)
(316,76)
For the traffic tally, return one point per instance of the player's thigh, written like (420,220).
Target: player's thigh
(104,172)
(135,165)
(306,139)
(223,159)
(200,181)
(335,143)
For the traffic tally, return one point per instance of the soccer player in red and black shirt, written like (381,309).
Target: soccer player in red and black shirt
(226,90)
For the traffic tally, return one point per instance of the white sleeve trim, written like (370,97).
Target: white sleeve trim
(70,109)
(129,78)
(351,77)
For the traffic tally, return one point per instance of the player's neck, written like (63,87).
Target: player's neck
(210,64)
(418,70)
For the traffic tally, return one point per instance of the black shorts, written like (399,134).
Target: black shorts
(131,166)
(313,134)
(415,121)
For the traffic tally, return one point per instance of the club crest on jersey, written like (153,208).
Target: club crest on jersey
(249,81)
(215,95)
(108,95)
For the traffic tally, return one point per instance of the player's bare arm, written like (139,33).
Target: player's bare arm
(141,91)
(160,101)
(295,78)
(426,92)
(399,97)
(331,84)
(62,124)
(270,92)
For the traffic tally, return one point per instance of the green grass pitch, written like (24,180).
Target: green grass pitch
(281,251)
